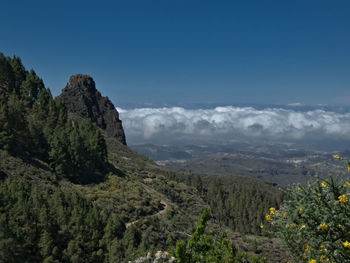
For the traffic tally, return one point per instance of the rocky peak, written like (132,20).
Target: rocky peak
(83,100)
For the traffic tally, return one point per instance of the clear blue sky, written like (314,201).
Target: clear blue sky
(172,51)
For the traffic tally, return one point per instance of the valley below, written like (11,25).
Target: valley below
(277,163)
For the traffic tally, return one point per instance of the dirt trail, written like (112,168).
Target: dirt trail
(161,212)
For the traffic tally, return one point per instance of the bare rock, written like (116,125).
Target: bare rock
(83,100)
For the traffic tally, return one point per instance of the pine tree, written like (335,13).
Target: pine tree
(6,137)
(205,248)
(45,244)
(59,156)
(77,151)
(31,87)
(95,153)
(17,125)
(7,77)
(19,72)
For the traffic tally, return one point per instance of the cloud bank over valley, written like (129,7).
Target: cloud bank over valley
(165,125)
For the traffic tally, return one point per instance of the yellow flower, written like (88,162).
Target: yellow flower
(339,226)
(313,261)
(299,188)
(292,225)
(272,211)
(261,226)
(323,249)
(268,218)
(307,248)
(324,184)
(347,184)
(302,227)
(348,167)
(343,199)
(284,214)
(346,244)
(324,227)
(336,156)
(301,209)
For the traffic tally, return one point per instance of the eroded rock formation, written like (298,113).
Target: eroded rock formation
(83,100)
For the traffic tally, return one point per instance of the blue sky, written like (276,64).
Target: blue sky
(171,52)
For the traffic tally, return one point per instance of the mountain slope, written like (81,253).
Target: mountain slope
(47,148)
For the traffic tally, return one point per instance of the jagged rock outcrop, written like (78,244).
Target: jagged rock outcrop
(83,100)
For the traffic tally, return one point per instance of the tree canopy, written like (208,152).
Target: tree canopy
(33,123)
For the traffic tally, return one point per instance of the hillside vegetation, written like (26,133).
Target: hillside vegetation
(71,193)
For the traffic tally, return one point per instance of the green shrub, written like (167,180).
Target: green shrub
(314,220)
(202,247)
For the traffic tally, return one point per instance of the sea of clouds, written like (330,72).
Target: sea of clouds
(229,122)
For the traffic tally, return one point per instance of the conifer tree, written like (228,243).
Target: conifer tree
(19,72)
(6,137)
(17,125)
(31,87)
(59,155)
(6,74)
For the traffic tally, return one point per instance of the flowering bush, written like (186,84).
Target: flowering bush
(314,220)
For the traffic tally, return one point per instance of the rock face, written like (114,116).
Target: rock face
(83,100)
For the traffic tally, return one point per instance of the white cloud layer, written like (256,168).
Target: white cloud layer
(150,124)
